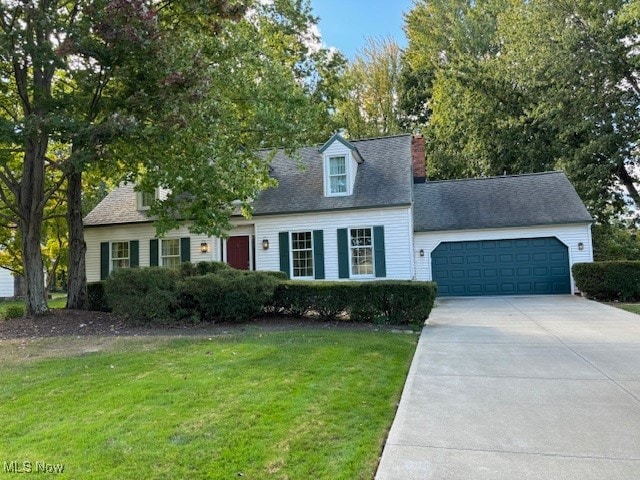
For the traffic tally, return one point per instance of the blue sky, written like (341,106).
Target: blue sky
(345,24)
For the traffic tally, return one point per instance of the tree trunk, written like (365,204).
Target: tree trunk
(31,204)
(629,184)
(77,284)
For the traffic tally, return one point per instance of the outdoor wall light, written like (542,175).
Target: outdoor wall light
(421,252)
(204,247)
(265,244)
(580,246)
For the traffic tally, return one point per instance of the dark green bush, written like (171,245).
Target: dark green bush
(96,297)
(144,295)
(615,280)
(229,295)
(390,301)
(188,269)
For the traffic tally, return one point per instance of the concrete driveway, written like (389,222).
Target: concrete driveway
(520,388)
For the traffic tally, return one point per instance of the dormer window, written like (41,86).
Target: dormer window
(341,160)
(146,199)
(338,175)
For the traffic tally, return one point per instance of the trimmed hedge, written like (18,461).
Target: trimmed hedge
(229,295)
(144,295)
(386,301)
(11,311)
(614,280)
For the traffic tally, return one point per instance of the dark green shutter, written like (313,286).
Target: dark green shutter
(153,253)
(378,252)
(134,253)
(185,249)
(343,253)
(283,245)
(104,260)
(318,254)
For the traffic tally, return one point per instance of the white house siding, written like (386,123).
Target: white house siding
(143,232)
(397,237)
(6,284)
(570,235)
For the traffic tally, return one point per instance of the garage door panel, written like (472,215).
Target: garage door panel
(502,267)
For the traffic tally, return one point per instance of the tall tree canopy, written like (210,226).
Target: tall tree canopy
(371,87)
(180,92)
(513,86)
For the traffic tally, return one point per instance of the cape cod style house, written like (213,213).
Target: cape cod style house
(363,210)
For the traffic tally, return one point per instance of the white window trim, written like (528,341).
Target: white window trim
(162,257)
(139,197)
(373,254)
(111,259)
(347,166)
(313,269)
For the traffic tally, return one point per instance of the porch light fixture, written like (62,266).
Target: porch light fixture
(580,246)
(204,247)
(265,244)
(421,252)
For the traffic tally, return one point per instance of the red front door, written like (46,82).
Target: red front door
(238,252)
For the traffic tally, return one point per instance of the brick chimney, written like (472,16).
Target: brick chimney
(417,158)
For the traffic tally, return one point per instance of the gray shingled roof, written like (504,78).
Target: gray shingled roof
(119,206)
(497,202)
(384,179)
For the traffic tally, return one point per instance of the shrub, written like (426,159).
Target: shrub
(615,280)
(97,298)
(188,269)
(12,311)
(381,301)
(229,295)
(144,295)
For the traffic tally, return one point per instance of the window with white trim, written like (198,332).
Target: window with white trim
(120,257)
(361,251)
(145,199)
(337,175)
(301,255)
(170,252)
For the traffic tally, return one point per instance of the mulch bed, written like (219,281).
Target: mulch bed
(78,323)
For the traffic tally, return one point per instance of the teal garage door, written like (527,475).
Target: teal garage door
(524,266)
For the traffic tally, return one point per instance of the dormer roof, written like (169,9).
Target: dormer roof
(336,137)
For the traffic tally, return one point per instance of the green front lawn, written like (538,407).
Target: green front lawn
(300,404)
(629,307)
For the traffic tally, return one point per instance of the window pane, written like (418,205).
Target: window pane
(148,199)
(338,184)
(337,166)
(119,255)
(361,251)
(302,254)
(170,252)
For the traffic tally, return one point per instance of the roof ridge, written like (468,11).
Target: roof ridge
(549,172)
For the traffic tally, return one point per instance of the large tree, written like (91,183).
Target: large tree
(513,86)
(371,86)
(182,92)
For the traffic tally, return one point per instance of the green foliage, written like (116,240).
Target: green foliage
(521,87)
(188,269)
(228,295)
(615,280)
(144,295)
(11,311)
(389,301)
(372,82)
(615,242)
(97,298)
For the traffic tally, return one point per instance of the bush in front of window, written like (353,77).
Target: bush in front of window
(96,297)
(188,269)
(613,280)
(228,295)
(387,301)
(144,295)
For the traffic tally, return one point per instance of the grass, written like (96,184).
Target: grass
(629,307)
(12,308)
(283,405)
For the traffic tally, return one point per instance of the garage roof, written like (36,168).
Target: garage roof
(497,202)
